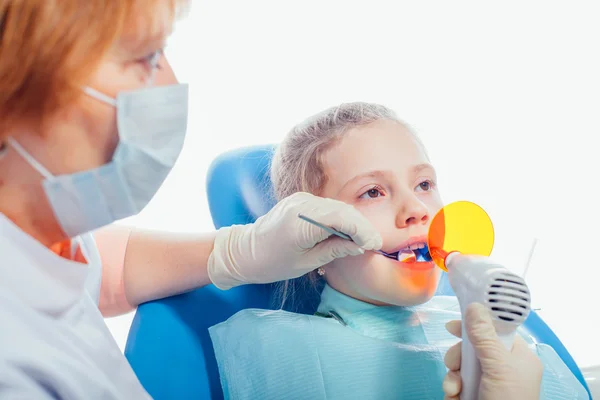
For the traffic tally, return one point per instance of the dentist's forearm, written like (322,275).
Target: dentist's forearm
(112,244)
(159,264)
(141,266)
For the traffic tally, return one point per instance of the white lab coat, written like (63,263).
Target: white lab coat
(53,340)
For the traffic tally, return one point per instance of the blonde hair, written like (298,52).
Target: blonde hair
(297,164)
(49,49)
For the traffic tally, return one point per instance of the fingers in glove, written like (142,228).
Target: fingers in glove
(348,220)
(455,328)
(482,334)
(520,346)
(452,384)
(522,351)
(453,357)
(332,248)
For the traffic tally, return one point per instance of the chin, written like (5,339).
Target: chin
(385,284)
(409,300)
(421,298)
(410,294)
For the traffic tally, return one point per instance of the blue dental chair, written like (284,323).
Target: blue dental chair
(168,345)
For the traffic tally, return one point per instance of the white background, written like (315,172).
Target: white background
(506,96)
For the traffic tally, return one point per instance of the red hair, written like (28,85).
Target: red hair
(49,49)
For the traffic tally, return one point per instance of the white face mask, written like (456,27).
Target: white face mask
(151,123)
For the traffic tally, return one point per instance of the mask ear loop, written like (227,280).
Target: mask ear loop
(100,96)
(29,158)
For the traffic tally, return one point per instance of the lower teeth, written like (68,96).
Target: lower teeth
(407,256)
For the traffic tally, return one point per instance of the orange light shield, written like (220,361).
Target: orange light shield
(461,226)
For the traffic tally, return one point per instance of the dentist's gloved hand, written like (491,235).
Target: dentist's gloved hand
(505,374)
(280,246)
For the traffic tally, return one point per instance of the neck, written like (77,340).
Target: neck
(340,287)
(23,201)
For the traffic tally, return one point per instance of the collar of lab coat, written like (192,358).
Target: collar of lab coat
(32,274)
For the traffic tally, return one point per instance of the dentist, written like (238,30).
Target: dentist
(92,120)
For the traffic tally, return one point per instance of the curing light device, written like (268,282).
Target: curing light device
(460,239)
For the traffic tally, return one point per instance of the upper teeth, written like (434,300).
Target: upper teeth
(416,246)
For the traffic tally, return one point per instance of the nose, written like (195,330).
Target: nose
(411,212)
(164,75)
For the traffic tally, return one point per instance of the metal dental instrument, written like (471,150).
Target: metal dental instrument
(346,237)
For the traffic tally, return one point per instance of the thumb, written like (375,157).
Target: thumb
(332,248)
(482,334)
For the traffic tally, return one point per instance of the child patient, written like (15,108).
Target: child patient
(379,331)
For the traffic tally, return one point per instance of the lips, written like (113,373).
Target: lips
(413,243)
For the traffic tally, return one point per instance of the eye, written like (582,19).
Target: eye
(151,60)
(425,186)
(372,193)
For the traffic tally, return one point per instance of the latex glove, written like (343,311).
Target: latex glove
(505,374)
(280,246)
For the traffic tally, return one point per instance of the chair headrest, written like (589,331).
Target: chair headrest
(239,186)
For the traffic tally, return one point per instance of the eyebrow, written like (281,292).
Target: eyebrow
(380,173)
(420,167)
(138,42)
(145,45)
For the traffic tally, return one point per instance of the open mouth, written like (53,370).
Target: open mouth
(418,252)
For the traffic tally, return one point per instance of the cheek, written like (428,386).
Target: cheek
(102,131)
(350,273)
(382,216)
(90,127)
(112,141)
(376,279)
(101,118)
(364,273)
(434,204)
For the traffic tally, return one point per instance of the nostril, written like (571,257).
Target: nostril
(414,220)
